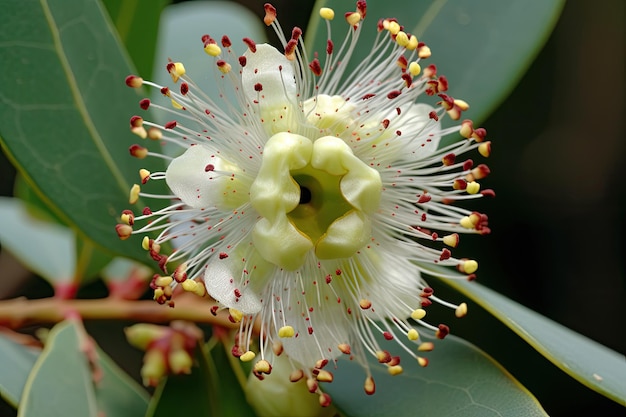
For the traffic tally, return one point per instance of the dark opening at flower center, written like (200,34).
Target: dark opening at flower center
(321,201)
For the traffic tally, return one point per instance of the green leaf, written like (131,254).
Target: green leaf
(117,393)
(483,47)
(460,380)
(16,362)
(65,112)
(61,382)
(137,23)
(210,390)
(46,248)
(596,366)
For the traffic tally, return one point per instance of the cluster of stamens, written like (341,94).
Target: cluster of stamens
(385,129)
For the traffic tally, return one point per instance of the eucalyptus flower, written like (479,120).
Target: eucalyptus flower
(311,206)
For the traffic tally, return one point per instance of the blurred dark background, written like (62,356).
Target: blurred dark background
(558,222)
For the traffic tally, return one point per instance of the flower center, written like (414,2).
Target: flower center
(312,195)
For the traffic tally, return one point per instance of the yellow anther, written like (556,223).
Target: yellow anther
(296,375)
(472,187)
(247,357)
(467,222)
(145,243)
(469,267)
(180,362)
(139,131)
(286,331)
(263,366)
(127,218)
(344,348)
(176,70)
(353,18)
(277,347)
(451,240)
(461,310)
(163,281)
(144,174)
(402,39)
(327,13)
(462,104)
(414,69)
(194,287)
(156,247)
(485,149)
(395,370)
(423,362)
(424,52)
(393,28)
(134,194)
(418,314)
(212,49)
(413,42)
(426,347)
(369,386)
(154,133)
(158,293)
(235,314)
(325,376)
(176,105)
(412,334)
(224,67)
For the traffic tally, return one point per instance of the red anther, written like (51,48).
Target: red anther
(361,7)
(321,363)
(468,164)
(368,96)
(433,115)
(179,275)
(214,310)
(123,231)
(480,172)
(434,235)
(430,71)
(136,121)
(488,193)
(138,151)
(380,26)
(171,124)
(448,159)
(445,254)
(407,79)
(424,198)
(328,279)
(442,331)
(237,292)
(385,123)
(383,356)
(223,255)
(471,277)
(479,134)
(236,351)
(387,336)
(146,211)
(209,168)
(329,47)
(325,399)
(395,360)
(165,91)
(170,67)
(144,103)
(184,88)
(337,271)
(258,87)
(270,14)
(393,94)
(316,67)
(426,302)
(134,81)
(206,39)
(446,102)
(402,62)
(442,83)
(226,43)
(250,43)
(243,61)
(427,292)
(290,47)
(296,32)
(310,330)
(221,63)
(432,88)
